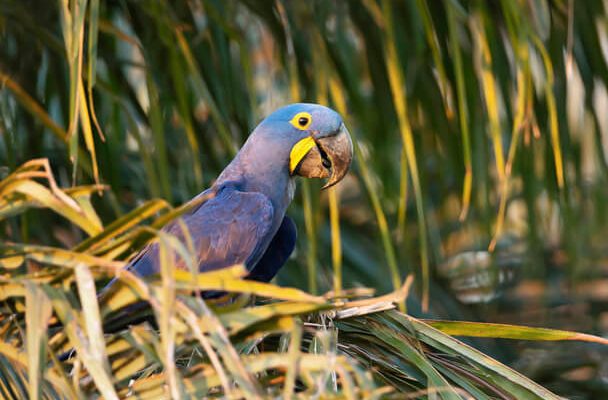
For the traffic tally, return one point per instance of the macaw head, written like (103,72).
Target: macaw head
(308,140)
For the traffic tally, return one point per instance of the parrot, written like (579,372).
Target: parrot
(244,220)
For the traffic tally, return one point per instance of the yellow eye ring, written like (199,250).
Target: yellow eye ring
(301,120)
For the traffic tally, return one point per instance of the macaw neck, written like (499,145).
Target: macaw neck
(263,169)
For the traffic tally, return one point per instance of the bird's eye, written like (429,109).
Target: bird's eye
(301,121)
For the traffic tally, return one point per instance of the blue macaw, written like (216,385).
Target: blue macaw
(244,220)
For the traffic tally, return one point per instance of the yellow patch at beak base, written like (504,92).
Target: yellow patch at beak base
(299,151)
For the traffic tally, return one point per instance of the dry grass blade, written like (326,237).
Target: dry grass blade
(60,257)
(92,60)
(397,83)
(38,313)
(294,355)
(463,109)
(92,316)
(213,281)
(32,106)
(490,87)
(552,110)
(219,338)
(511,380)
(92,361)
(375,200)
(165,314)
(20,188)
(505,331)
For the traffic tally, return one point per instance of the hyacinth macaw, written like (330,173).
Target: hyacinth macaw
(244,220)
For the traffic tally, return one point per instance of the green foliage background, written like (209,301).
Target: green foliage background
(481,127)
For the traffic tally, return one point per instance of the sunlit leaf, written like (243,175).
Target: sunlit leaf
(505,331)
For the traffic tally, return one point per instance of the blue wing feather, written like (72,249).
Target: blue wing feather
(231,228)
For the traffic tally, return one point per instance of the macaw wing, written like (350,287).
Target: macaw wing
(230,228)
(277,252)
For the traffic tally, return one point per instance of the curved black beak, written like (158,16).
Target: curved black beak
(330,158)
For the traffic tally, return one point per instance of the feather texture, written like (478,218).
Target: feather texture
(231,228)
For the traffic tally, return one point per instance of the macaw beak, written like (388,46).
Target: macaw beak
(327,156)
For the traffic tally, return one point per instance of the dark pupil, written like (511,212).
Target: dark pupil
(303,121)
